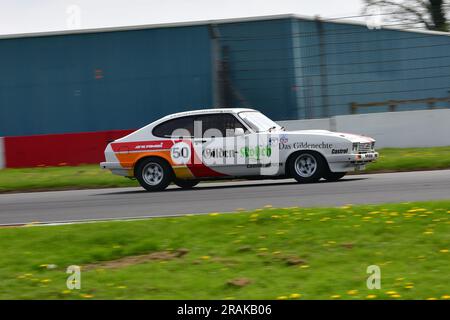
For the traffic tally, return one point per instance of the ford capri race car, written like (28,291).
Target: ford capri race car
(185,148)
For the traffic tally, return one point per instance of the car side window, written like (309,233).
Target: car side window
(224,124)
(175,128)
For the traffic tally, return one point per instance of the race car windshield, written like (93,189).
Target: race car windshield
(259,122)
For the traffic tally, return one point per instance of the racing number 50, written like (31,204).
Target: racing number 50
(180,153)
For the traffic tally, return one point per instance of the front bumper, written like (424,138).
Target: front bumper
(351,162)
(364,157)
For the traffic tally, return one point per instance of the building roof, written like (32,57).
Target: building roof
(206,22)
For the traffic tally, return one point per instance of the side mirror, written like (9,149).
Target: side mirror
(239,132)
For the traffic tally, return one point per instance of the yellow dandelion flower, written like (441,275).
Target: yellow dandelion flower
(428,232)
(432,298)
(66,292)
(121,287)
(282,298)
(409,287)
(446,297)
(336,296)
(371,296)
(395,296)
(213,214)
(254,216)
(391,292)
(443,250)
(205,257)
(352,292)
(304,266)
(87,296)
(390,222)
(46,280)
(295,296)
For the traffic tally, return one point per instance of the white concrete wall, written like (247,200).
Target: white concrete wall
(2,153)
(424,128)
(323,124)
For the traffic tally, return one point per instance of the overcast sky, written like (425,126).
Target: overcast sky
(25,16)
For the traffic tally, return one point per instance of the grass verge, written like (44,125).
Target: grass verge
(91,176)
(270,253)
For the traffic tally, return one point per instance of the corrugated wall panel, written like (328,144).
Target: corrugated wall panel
(102,81)
(365,65)
(261,65)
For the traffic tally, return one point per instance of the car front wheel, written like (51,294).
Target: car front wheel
(306,167)
(153,174)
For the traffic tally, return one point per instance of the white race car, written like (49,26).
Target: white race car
(187,147)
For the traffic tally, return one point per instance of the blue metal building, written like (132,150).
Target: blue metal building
(288,67)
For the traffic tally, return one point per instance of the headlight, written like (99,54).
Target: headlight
(355,147)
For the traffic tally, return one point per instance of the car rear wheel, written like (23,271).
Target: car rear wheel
(334,176)
(186,184)
(153,174)
(306,167)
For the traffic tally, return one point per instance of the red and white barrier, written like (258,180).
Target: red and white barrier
(56,149)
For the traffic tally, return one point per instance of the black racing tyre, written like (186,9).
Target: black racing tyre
(334,176)
(307,166)
(153,174)
(186,184)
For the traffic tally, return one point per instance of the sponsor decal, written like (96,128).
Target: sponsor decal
(256,152)
(259,165)
(141,146)
(339,151)
(306,145)
(150,146)
(180,153)
(273,141)
(284,139)
(218,153)
(264,165)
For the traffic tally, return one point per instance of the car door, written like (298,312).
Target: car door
(216,144)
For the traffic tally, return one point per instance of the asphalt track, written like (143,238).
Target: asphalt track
(126,203)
